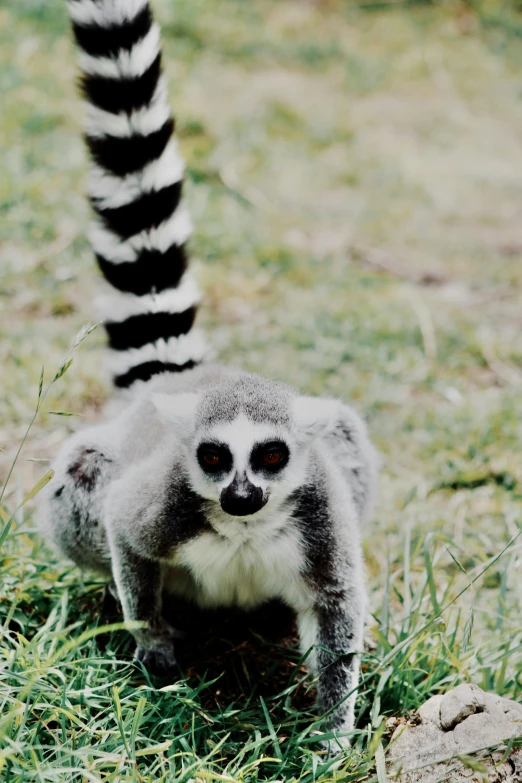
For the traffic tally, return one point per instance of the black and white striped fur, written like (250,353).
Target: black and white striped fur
(210,484)
(135,188)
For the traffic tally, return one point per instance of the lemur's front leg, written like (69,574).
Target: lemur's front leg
(339,639)
(333,633)
(139,585)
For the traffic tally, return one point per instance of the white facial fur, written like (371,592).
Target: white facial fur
(240,436)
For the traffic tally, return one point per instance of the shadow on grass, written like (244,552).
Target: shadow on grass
(247,654)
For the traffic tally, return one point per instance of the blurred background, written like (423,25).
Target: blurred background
(355,177)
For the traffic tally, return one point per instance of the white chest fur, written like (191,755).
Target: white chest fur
(245,565)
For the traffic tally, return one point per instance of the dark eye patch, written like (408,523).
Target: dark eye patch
(269,457)
(214,458)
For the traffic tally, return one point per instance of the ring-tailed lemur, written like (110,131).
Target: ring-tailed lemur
(210,483)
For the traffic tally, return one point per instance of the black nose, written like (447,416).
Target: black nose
(242,498)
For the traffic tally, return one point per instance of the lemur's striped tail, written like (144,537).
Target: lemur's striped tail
(135,190)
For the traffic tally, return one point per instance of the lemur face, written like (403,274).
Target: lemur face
(244,465)
(247,448)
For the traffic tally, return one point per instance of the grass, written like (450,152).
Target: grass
(355,181)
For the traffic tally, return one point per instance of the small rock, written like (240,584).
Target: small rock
(479,731)
(457,704)
(430,710)
(427,752)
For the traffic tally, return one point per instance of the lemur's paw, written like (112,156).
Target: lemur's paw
(160,663)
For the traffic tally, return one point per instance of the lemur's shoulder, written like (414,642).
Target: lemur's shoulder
(151,505)
(355,456)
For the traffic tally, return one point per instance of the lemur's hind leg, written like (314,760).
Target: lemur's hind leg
(71,509)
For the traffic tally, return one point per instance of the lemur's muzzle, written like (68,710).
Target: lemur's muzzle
(241,497)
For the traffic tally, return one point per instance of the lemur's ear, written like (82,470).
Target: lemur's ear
(177,408)
(314,416)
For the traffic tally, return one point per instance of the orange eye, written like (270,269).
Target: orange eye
(272,457)
(211,459)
